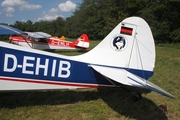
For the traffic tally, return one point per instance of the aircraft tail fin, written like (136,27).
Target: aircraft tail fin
(129,45)
(82,42)
(126,55)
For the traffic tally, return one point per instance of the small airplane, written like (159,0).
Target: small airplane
(42,40)
(126,56)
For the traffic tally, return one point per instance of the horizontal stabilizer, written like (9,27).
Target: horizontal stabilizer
(124,77)
(157,89)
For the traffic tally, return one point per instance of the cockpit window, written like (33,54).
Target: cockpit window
(44,40)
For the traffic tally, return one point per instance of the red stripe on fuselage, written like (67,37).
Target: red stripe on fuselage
(53,83)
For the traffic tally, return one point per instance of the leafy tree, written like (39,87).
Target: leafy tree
(58,26)
(166,22)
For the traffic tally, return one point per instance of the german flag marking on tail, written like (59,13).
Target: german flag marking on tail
(126,30)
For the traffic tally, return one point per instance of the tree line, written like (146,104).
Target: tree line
(98,17)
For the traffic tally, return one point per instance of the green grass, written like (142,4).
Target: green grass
(101,104)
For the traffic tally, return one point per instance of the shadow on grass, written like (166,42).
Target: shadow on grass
(117,99)
(123,102)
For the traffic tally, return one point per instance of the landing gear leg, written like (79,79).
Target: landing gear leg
(136,96)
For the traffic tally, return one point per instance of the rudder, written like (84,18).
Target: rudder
(130,46)
(82,42)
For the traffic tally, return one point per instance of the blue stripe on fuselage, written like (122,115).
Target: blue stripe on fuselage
(21,64)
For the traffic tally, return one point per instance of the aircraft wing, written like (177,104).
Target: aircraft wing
(38,34)
(7,30)
(43,34)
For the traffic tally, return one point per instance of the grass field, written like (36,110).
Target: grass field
(101,104)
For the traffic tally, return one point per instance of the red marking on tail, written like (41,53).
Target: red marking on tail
(83,37)
(126,30)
